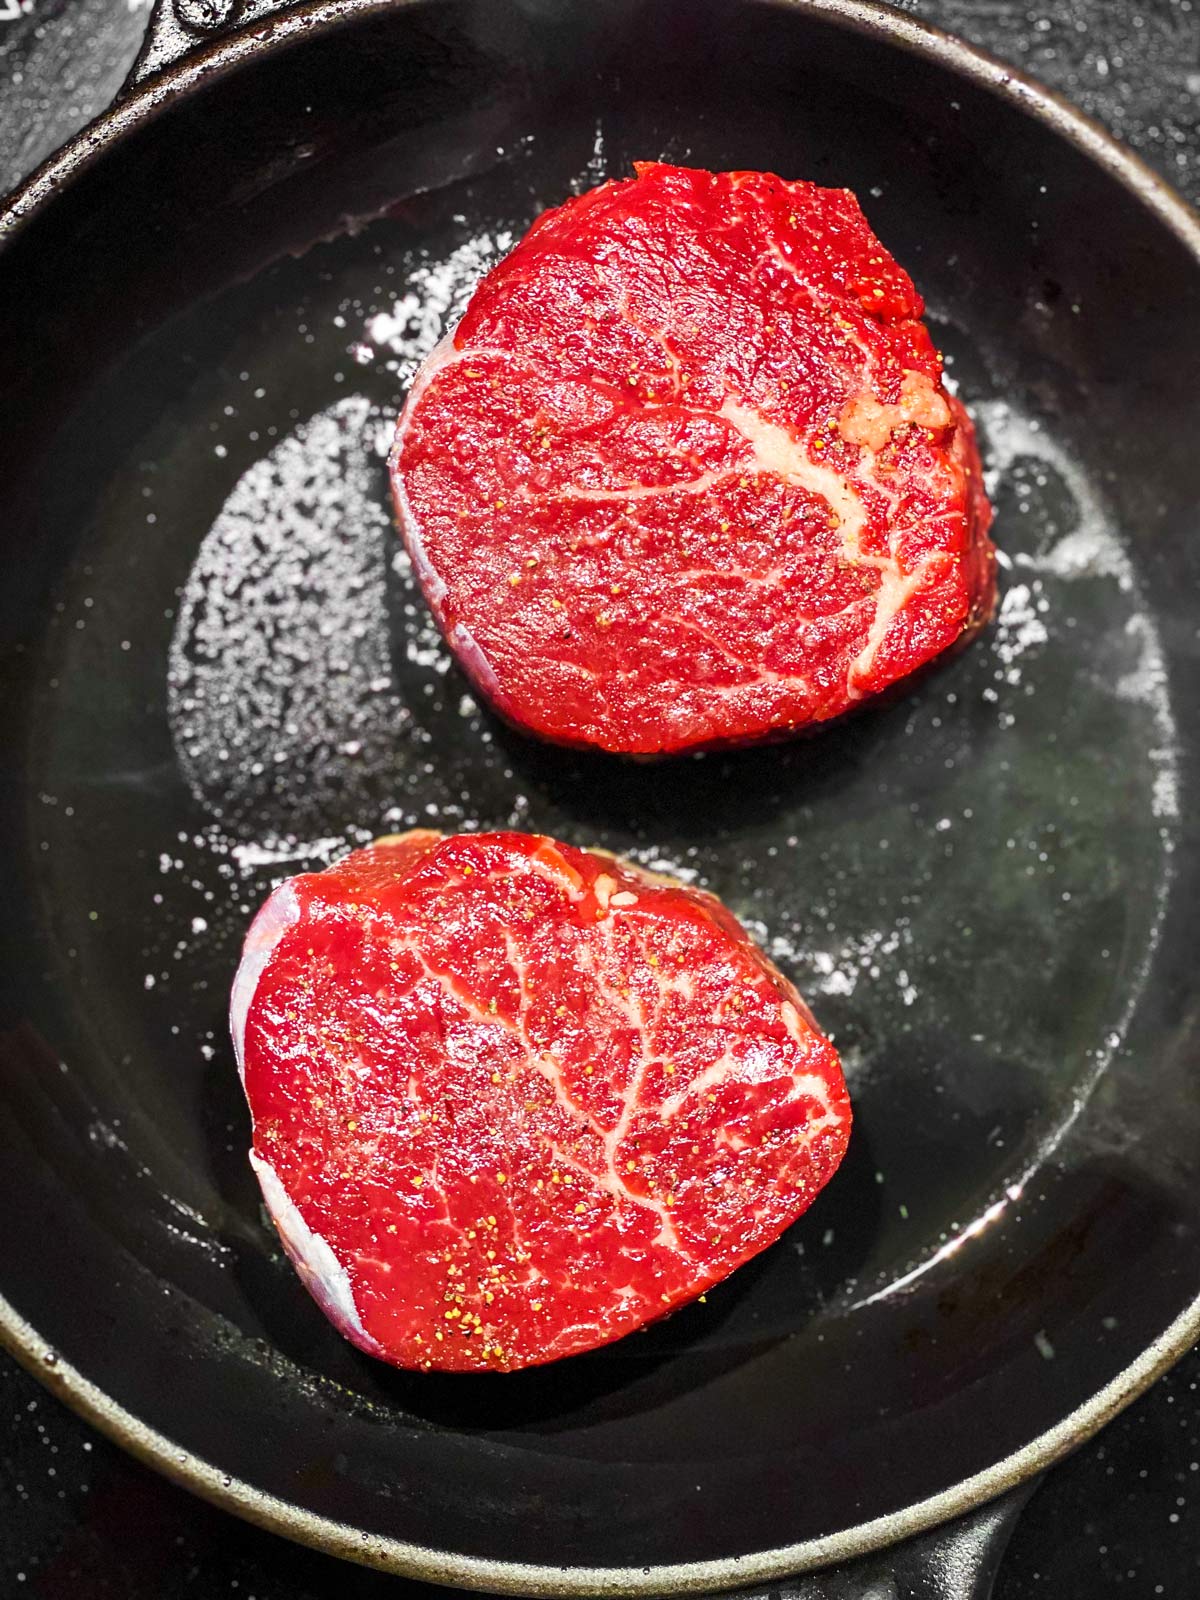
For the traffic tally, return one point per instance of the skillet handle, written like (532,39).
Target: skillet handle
(958,1561)
(178,28)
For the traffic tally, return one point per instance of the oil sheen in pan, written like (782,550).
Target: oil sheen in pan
(934,876)
(295,567)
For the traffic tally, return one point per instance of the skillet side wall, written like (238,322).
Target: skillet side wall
(1008,229)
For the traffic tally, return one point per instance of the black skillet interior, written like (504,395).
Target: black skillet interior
(217,672)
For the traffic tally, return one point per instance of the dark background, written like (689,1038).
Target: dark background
(77,1517)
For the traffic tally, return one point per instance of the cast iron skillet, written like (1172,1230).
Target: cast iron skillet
(216,671)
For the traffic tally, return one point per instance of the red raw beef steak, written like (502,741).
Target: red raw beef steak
(512,1100)
(686,473)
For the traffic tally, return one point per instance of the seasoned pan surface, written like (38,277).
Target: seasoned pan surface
(219,672)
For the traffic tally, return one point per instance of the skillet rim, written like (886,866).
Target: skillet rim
(404,1559)
(139,106)
(869,17)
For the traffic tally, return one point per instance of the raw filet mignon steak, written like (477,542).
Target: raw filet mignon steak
(512,1100)
(686,473)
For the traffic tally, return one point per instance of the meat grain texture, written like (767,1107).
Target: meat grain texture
(686,473)
(513,1100)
